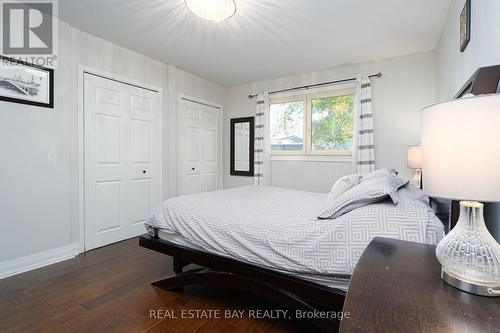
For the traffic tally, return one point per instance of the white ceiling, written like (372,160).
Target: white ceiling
(265,38)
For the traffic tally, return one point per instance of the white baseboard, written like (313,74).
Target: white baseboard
(37,260)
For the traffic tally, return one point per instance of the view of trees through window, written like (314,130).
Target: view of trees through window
(331,121)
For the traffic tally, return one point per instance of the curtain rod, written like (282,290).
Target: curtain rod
(317,85)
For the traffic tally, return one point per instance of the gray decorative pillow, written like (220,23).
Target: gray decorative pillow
(368,192)
(385,172)
(409,193)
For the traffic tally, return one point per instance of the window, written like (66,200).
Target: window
(313,124)
(287,126)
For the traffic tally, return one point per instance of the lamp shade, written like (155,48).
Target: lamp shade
(460,145)
(414,157)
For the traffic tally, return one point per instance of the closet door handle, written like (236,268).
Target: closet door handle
(192,169)
(144,171)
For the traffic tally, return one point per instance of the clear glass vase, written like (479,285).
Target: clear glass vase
(469,253)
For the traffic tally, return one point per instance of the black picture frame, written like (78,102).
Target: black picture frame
(49,71)
(250,172)
(465,19)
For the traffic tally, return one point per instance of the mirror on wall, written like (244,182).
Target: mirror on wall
(242,145)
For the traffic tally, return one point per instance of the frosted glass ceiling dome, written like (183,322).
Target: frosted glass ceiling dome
(213,10)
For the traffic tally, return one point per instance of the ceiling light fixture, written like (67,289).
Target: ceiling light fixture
(213,10)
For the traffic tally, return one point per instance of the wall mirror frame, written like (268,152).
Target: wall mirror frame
(242,146)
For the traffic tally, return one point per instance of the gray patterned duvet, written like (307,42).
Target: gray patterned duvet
(279,229)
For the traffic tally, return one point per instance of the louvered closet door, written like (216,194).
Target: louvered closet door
(199,148)
(122,159)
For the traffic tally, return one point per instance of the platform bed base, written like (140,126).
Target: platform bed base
(288,291)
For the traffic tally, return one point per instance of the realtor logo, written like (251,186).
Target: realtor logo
(29,30)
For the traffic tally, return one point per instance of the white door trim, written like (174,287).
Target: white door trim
(82,70)
(187,98)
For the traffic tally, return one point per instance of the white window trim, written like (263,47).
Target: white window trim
(312,158)
(307,153)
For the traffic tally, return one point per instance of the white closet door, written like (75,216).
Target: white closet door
(199,148)
(122,159)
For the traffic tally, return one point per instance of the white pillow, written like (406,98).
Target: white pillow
(342,185)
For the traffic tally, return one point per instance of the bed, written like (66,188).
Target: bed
(270,241)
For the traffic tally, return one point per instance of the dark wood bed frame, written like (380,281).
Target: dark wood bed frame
(290,292)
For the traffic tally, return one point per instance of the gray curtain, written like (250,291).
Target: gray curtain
(365,150)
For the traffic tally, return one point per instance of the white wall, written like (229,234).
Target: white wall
(455,67)
(39,169)
(408,84)
(35,172)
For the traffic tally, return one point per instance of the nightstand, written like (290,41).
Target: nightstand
(396,287)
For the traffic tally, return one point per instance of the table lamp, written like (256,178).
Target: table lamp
(460,145)
(415,162)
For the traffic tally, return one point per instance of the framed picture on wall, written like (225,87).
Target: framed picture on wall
(25,83)
(465,18)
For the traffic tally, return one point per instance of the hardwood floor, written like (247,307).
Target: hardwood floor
(108,290)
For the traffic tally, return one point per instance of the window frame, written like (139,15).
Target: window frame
(307,98)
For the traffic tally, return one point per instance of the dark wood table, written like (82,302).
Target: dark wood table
(396,287)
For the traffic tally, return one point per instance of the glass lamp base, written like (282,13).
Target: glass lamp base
(469,255)
(471,288)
